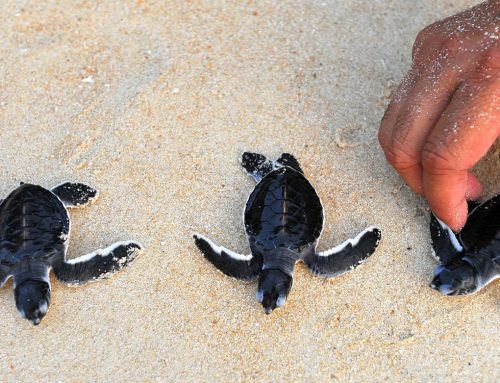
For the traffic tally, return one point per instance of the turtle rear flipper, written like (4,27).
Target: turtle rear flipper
(100,264)
(245,267)
(286,159)
(346,256)
(74,194)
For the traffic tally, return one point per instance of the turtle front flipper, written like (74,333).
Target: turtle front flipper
(471,205)
(482,226)
(346,256)
(245,267)
(256,165)
(4,275)
(445,244)
(73,194)
(100,264)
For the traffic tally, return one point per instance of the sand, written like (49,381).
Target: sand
(152,103)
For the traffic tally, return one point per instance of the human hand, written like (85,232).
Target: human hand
(445,115)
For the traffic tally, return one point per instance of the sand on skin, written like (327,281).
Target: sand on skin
(152,103)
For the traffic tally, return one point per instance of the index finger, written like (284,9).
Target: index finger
(467,129)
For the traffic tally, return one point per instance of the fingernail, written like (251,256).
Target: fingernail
(460,217)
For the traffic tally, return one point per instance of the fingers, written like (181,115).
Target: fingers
(462,136)
(392,112)
(474,189)
(389,121)
(445,115)
(406,128)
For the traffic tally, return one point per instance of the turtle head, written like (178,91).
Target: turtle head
(274,286)
(33,300)
(459,278)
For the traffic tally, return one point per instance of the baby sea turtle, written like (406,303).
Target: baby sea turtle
(283,220)
(470,259)
(34,234)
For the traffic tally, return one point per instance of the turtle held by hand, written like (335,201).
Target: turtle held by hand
(283,220)
(34,234)
(470,260)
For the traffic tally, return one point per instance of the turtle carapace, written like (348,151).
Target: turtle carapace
(34,234)
(283,220)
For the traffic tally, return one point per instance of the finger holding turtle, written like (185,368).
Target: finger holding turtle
(444,116)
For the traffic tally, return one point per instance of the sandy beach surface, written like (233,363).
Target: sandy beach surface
(152,103)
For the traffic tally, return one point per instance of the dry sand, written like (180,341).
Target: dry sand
(152,103)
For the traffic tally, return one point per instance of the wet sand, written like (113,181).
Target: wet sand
(152,103)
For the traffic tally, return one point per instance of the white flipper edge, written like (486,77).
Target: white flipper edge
(453,237)
(102,252)
(353,241)
(219,249)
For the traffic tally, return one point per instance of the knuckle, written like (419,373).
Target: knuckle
(403,126)
(437,157)
(431,44)
(451,45)
(385,123)
(485,73)
(400,150)
(400,156)
(419,59)
(427,33)
(383,138)
(419,45)
(490,62)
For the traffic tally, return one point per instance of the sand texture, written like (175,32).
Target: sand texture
(152,103)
